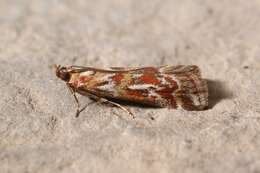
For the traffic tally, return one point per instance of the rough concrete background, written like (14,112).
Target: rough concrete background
(38,130)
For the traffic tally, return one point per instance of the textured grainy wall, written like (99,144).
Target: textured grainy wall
(38,130)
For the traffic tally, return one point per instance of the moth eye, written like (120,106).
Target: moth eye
(63,74)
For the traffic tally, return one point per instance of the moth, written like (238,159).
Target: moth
(165,86)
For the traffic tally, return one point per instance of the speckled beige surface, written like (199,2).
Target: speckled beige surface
(38,130)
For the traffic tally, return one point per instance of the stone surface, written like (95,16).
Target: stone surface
(38,130)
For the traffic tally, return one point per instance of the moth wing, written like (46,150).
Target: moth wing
(122,68)
(180,69)
(136,68)
(127,69)
(193,91)
(79,69)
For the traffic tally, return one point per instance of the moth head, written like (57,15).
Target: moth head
(62,72)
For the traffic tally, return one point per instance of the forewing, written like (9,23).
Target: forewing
(168,86)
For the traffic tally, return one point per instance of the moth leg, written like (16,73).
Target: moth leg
(97,99)
(82,109)
(76,100)
(103,100)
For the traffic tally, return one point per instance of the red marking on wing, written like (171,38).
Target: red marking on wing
(167,94)
(118,77)
(173,83)
(149,79)
(139,96)
(83,79)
